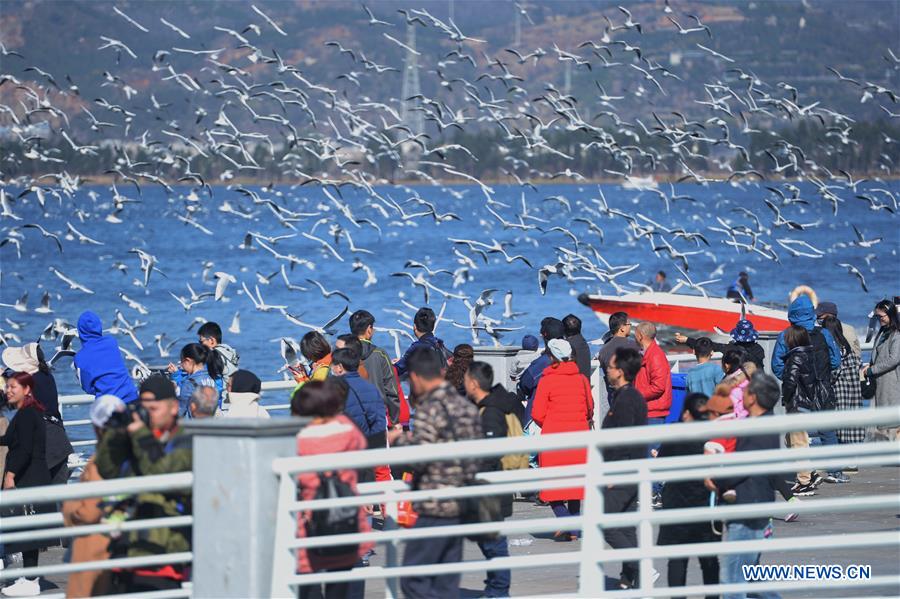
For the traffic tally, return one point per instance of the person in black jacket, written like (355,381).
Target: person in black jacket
(627,407)
(743,336)
(759,399)
(804,389)
(30,358)
(685,494)
(494,403)
(580,350)
(26,466)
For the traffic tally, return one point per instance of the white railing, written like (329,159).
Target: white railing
(34,527)
(593,476)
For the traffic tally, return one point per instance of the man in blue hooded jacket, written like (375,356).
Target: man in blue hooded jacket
(99,362)
(803,313)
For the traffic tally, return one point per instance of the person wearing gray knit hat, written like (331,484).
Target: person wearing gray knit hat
(560,349)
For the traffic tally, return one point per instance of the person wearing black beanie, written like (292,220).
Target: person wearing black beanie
(244,388)
(244,381)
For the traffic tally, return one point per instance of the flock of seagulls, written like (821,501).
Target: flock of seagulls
(246,106)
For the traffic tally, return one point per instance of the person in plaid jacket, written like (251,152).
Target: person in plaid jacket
(847,393)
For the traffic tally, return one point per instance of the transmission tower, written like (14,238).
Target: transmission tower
(414,119)
(567,81)
(518,39)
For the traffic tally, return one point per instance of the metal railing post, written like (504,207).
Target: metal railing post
(392,549)
(235,500)
(284,561)
(645,528)
(591,577)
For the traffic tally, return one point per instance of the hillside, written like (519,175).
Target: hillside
(776,41)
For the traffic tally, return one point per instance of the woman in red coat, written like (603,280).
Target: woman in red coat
(563,403)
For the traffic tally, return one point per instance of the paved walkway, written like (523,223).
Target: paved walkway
(563,580)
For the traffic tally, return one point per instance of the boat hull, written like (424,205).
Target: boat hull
(685,311)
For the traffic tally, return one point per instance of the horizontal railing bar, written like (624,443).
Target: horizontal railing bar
(726,471)
(32,521)
(715,465)
(503,476)
(446,493)
(745,587)
(672,516)
(753,510)
(772,544)
(505,527)
(167,594)
(84,443)
(382,486)
(498,563)
(608,438)
(179,481)
(91,529)
(109,564)
(76,399)
(85,398)
(660,465)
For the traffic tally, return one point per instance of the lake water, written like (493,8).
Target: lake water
(184,252)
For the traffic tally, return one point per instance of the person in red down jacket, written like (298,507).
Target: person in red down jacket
(654,380)
(329,431)
(563,403)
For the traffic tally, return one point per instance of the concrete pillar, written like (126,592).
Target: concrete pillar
(501,360)
(235,502)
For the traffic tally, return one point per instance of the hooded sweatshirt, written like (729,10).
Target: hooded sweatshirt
(381,374)
(99,363)
(802,312)
(245,405)
(230,359)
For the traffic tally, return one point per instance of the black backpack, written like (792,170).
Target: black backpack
(824,396)
(444,353)
(333,520)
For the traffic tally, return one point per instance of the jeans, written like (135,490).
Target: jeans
(824,438)
(562,510)
(532,430)
(497,582)
(657,487)
(440,550)
(731,566)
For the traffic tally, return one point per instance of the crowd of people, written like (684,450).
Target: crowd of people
(353,394)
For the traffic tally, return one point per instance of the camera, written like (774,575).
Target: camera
(124,418)
(4,401)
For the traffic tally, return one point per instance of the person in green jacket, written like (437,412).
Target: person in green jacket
(147,442)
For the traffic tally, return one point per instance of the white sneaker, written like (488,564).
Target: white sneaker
(23,587)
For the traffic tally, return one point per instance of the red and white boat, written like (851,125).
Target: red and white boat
(693,312)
